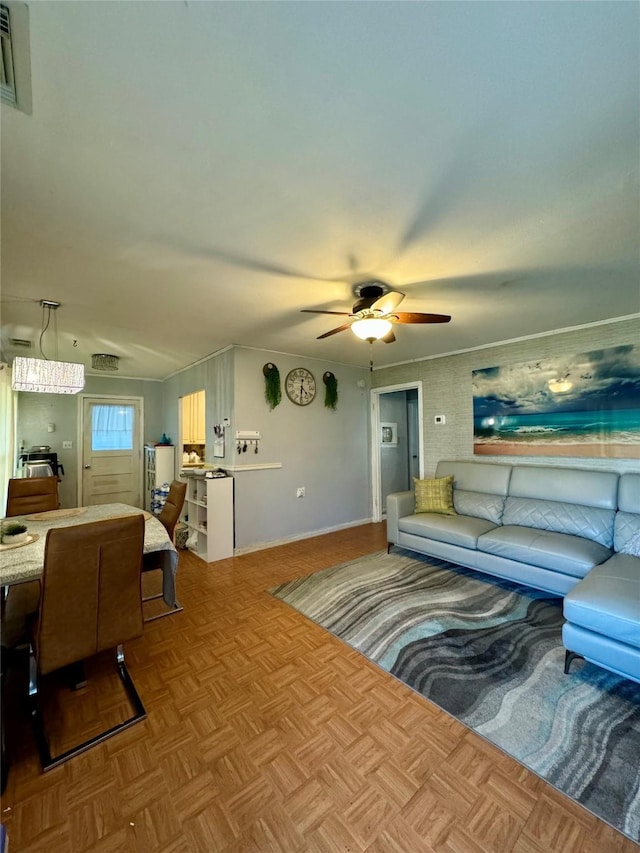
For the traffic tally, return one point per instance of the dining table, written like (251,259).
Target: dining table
(21,563)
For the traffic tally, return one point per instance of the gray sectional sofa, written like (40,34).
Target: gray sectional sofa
(571,532)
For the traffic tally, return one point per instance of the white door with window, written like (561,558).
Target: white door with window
(111,450)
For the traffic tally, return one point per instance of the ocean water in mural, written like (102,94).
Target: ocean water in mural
(614,425)
(582,405)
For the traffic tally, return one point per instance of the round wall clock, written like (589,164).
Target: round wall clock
(300,386)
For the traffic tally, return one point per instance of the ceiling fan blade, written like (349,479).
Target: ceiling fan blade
(334,331)
(314,311)
(417,317)
(389,338)
(388,302)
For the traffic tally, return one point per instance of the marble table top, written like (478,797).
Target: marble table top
(26,563)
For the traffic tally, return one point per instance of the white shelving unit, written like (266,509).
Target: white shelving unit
(159,468)
(208,513)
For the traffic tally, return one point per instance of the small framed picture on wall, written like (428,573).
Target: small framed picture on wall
(388,435)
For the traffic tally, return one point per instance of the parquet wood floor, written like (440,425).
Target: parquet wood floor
(265,733)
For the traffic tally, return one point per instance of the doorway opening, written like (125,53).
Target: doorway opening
(396,441)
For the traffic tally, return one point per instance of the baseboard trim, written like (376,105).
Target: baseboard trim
(261,546)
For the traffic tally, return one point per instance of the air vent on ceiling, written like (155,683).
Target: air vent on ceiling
(20,342)
(7,77)
(15,60)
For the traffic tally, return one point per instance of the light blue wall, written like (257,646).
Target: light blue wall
(327,452)
(35,411)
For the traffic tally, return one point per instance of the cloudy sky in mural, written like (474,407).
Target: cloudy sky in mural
(601,379)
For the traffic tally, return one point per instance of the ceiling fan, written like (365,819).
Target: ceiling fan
(374,313)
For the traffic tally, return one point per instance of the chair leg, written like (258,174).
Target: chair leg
(36,715)
(152,597)
(569,657)
(177,607)
(46,759)
(77,677)
(129,686)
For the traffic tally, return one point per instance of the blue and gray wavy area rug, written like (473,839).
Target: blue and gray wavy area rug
(490,653)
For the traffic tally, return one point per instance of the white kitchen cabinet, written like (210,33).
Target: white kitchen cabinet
(208,514)
(159,468)
(193,418)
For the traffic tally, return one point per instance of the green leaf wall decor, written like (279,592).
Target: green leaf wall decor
(331,390)
(272,387)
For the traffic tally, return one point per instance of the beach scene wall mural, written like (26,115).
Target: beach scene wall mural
(582,405)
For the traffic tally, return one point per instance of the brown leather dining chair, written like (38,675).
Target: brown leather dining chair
(90,601)
(173,506)
(32,494)
(155,560)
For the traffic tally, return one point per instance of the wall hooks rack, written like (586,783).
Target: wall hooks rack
(247,439)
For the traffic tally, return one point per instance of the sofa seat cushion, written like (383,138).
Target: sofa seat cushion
(454,529)
(560,552)
(607,600)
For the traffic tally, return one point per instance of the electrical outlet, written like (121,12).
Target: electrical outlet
(67,445)
(300,492)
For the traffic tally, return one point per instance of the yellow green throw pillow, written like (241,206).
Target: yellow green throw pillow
(435,495)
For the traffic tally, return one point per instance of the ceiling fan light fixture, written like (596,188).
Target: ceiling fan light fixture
(371,328)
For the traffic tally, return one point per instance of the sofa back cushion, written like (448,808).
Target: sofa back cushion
(569,485)
(626,533)
(566,500)
(588,522)
(629,493)
(479,488)
(626,537)
(479,505)
(484,477)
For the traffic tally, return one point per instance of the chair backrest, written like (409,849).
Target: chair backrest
(32,494)
(173,506)
(91,597)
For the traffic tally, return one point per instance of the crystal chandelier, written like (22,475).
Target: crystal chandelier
(104,361)
(42,375)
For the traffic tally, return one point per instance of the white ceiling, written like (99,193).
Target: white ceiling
(481,157)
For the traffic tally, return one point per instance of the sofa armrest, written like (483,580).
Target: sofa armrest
(399,504)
